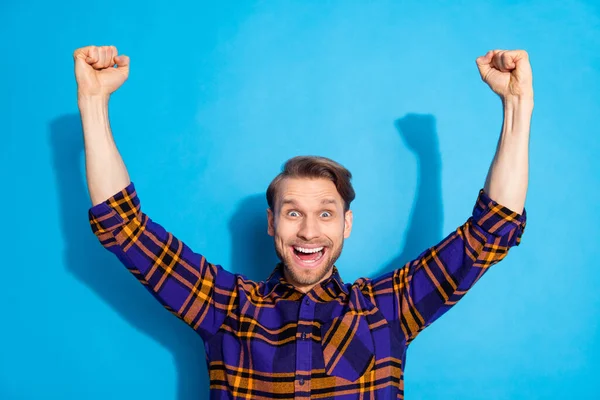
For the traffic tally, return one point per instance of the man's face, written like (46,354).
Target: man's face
(309,226)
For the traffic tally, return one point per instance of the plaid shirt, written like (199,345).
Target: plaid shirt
(266,340)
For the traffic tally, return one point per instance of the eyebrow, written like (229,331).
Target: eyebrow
(294,203)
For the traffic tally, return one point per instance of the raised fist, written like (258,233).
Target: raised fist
(507,73)
(95,72)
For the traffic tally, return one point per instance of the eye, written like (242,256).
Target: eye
(325,214)
(293,213)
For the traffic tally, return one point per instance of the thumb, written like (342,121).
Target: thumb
(122,61)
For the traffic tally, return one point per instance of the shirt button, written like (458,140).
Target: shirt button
(307,301)
(303,335)
(301,381)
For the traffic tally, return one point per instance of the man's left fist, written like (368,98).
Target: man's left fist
(507,73)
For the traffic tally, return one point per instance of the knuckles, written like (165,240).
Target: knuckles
(95,51)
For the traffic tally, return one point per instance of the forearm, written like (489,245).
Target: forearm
(507,179)
(105,170)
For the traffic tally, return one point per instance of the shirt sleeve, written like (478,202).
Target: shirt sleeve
(198,292)
(425,288)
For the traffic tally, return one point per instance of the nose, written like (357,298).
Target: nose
(309,229)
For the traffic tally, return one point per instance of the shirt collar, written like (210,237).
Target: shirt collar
(276,281)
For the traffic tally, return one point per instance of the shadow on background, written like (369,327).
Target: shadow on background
(103,273)
(252,249)
(419,134)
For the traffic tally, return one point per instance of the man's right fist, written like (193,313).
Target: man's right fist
(94,70)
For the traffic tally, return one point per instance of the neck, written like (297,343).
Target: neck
(304,287)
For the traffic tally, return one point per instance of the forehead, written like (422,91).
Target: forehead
(308,191)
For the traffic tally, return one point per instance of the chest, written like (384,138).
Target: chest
(313,340)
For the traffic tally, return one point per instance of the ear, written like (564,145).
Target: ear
(348,223)
(270,222)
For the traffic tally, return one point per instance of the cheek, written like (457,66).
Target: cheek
(335,232)
(284,231)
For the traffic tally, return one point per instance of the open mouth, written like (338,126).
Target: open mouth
(309,256)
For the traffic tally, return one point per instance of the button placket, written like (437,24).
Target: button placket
(306,315)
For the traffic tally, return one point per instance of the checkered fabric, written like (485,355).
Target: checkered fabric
(266,340)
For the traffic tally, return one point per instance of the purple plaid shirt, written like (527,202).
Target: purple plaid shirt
(266,340)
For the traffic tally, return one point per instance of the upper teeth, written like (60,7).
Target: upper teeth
(304,250)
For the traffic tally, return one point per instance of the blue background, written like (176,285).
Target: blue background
(219,96)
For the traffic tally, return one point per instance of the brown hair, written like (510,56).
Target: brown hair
(314,167)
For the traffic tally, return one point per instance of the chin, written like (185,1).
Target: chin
(311,270)
(310,273)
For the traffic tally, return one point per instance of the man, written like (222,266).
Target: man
(303,333)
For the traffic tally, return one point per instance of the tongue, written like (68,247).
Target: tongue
(309,257)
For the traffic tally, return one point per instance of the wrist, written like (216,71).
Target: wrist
(93,110)
(521,102)
(92,100)
(517,111)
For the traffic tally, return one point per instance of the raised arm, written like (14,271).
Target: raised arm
(200,293)
(96,80)
(508,74)
(424,289)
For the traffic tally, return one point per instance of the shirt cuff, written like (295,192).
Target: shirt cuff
(499,220)
(115,211)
